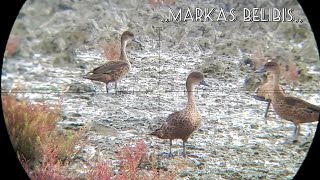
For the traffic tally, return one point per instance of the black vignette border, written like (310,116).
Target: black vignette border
(10,165)
(310,166)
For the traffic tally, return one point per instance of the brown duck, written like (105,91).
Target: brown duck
(181,124)
(264,89)
(114,71)
(263,92)
(287,107)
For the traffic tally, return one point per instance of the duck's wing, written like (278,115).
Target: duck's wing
(301,104)
(170,122)
(109,67)
(177,119)
(173,117)
(167,127)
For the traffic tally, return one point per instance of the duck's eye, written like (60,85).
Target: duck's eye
(287,67)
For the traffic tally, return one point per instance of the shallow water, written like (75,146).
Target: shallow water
(233,142)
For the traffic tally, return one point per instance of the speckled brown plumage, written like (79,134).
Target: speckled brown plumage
(287,107)
(114,71)
(181,124)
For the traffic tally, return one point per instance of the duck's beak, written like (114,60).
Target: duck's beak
(260,98)
(261,70)
(248,62)
(203,82)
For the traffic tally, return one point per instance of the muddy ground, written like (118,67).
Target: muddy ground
(61,41)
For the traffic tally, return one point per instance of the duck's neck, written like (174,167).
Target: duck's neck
(191,100)
(269,78)
(123,54)
(276,87)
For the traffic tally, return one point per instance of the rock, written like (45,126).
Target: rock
(63,59)
(71,125)
(77,87)
(104,130)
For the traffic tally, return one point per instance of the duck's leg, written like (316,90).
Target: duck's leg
(266,111)
(107,89)
(184,148)
(116,85)
(170,153)
(296,132)
(299,127)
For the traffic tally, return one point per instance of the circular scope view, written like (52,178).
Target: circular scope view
(161,89)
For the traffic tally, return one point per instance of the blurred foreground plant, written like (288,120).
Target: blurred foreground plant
(41,148)
(134,164)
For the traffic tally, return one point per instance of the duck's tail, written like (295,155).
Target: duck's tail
(95,77)
(314,108)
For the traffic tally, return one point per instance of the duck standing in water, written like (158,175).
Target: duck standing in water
(114,71)
(287,107)
(181,124)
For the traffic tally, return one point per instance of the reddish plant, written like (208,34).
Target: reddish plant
(290,73)
(28,124)
(169,2)
(12,46)
(130,159)
(112,50)
(51,167)
(134,164)
(102,171)
(258,58)
(32,130)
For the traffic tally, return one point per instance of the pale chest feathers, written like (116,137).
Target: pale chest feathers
(192,118)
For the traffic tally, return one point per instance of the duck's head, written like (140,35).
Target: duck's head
(197,78)
(127,35)
(271,66)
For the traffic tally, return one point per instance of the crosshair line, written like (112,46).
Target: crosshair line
(159,70)
(151,91)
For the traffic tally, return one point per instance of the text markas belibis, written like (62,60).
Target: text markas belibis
(212,14)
